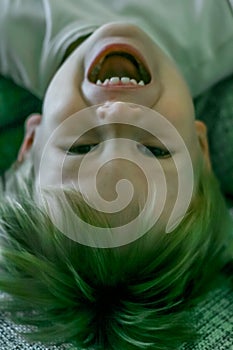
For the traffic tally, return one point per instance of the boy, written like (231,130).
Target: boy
(123,71)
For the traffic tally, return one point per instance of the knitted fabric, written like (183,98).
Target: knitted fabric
(212,317)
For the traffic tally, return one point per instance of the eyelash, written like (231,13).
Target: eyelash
(84,149)
(80,149)
(157,152)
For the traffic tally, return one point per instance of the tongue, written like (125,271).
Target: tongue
(118,66)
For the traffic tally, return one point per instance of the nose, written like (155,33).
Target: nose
(124,120)
(120,112)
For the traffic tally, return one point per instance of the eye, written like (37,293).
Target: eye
(157,152)
(81,149)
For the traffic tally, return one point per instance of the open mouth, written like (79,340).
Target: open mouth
(119,68)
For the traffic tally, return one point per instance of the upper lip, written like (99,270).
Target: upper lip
(120,49)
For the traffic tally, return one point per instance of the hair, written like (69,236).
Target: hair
(98,298)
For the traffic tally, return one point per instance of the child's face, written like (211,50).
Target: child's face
(118,50)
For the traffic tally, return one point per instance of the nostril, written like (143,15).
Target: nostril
(120,112)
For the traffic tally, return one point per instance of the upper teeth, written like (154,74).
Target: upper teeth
(117,80)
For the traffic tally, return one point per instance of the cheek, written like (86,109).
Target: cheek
(63,97)
(175,101)
(62,102)
(176,106)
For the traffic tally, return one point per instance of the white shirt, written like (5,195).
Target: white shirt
(34,35)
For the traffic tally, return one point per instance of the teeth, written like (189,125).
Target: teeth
(125,80)
(133,81)
(114,80)
(117,80)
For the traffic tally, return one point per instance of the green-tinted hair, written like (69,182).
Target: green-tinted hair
(101,298)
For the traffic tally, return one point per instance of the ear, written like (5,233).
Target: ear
(203,140)
(30,126)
